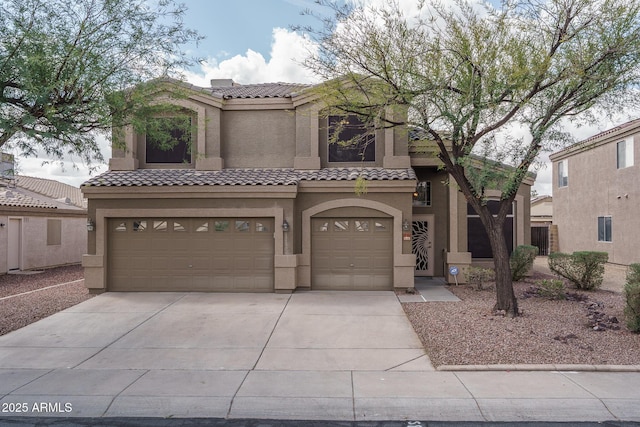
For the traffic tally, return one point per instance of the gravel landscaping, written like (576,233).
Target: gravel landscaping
(547,332)
(17,310)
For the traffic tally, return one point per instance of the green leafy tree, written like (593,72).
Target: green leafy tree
(467,73)
(71,68)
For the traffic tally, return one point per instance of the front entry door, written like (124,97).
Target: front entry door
(422,244)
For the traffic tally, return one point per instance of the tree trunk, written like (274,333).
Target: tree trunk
(505,297)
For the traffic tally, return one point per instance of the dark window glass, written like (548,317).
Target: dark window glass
(478,240)
(563,174)
(604,229)
(350,140)
(169,140)
(493,205)
(422,195)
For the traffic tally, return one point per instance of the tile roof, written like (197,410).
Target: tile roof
(264,90)
(610,131)
(190,177)
(52,189)
(15,198)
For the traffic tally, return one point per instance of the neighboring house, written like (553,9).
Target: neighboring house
(541,221)
(596,194)
(256,199)
(43,223)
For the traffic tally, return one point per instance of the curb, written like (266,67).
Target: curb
(558,367)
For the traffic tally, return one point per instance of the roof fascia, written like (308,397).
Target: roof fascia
(186,192)
(590,143)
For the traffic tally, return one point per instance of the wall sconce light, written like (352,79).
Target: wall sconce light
(285,225)
(405,225)
(90,225)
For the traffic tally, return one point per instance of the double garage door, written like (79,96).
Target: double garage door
(352,254)
(191,254)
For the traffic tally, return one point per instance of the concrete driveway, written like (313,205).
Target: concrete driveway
(310,355)
(214,355)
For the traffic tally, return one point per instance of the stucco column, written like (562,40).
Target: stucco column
(129,161)
(307,144)
(455,257)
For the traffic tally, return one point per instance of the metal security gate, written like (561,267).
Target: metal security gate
(540,238)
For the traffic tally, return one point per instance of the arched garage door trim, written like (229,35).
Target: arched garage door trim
(307,214)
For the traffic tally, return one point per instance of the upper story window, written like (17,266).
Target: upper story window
(563,173)
(422,195)
(168,140)
(625,153)
(350,140)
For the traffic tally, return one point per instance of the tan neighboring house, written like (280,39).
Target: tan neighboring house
(262,202)
(596,194)
(43,223)
(541,223)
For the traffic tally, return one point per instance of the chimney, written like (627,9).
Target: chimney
(222,83)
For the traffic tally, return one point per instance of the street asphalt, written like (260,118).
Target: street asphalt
(309,358)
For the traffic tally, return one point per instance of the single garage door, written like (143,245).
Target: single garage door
(352,253)
(191,254)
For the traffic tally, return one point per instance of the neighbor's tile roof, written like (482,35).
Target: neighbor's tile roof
(179,177)
(13,197)
(52,189)
(264,90)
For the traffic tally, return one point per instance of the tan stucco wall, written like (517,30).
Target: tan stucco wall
(254,138)
(597,188)
(385,199)
(35,251)
(542,209)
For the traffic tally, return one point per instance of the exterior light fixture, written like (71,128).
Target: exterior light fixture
(285,225)
(90,225)
(406,234)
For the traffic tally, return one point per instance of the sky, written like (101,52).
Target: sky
(249,41)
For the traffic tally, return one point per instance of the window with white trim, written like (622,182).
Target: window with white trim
(563,173)
(604,229)
(624,153)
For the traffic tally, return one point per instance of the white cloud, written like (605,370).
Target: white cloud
(69,170)
(288,50)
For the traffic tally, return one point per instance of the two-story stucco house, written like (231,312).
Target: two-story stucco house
(596,194)
(259,200)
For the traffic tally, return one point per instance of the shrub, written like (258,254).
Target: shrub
(522,260)
(478,276)
(632,297)
(584,269)
(552,289)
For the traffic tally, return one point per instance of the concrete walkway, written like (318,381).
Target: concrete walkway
(310,355)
